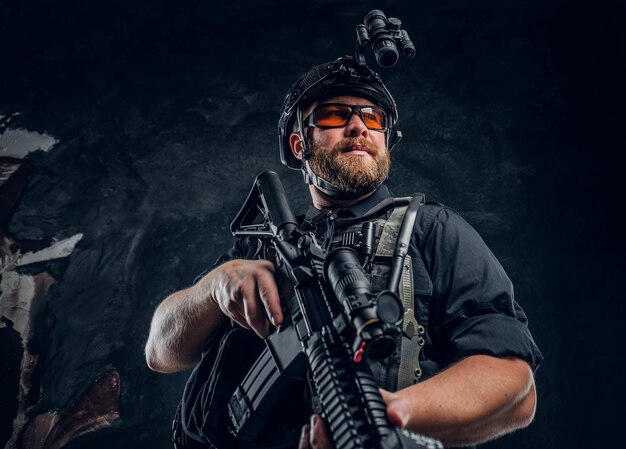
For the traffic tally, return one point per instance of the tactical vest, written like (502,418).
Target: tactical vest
(402,368)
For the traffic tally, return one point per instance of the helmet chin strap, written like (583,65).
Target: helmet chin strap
(328,188)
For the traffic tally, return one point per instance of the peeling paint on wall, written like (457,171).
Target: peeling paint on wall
(17,143)
(25,320)
(96,409)
(57,250)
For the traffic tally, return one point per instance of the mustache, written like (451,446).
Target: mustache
(349,142)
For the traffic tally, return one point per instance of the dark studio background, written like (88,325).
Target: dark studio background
(164,112)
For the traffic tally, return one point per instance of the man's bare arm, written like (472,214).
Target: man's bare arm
(182,325)
(477,399)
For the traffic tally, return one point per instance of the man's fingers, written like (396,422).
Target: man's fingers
(234,311)
(388,396)
(398,414)
(304,437)
(398,408)
(268,292)
(254,313)
(319,438)
(241,320)
(237,314)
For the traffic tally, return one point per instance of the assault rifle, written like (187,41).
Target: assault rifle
(332,324)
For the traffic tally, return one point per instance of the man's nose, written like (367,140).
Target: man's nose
(355,127)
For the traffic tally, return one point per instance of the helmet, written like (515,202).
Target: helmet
(343,76)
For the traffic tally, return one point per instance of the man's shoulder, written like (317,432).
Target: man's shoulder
(434,217)
(432,211)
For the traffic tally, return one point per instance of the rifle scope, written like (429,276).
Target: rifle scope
(374,320)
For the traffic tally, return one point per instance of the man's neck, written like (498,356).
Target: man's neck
(322,201)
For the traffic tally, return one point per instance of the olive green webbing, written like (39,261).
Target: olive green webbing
(412,340)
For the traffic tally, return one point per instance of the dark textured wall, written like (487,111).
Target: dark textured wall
(165,111)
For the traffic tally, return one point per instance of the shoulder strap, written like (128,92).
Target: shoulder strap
(412,341)
(391,229)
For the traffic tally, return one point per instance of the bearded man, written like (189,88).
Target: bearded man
(473,356)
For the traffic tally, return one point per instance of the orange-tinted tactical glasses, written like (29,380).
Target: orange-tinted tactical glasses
(336,115)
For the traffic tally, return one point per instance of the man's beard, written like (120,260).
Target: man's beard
(350,173)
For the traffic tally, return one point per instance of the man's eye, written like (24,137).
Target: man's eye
(332,113)
(340,113)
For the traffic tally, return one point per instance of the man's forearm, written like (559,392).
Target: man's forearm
(181,326)
(476,400)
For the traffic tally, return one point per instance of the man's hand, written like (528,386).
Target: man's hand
(246,292)
(183,324)
(315,435)
(398,408)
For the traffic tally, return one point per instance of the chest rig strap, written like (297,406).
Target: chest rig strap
(412,342)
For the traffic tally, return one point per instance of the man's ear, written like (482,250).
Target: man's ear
(295,142)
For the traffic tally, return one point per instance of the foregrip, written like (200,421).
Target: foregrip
(351,402)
